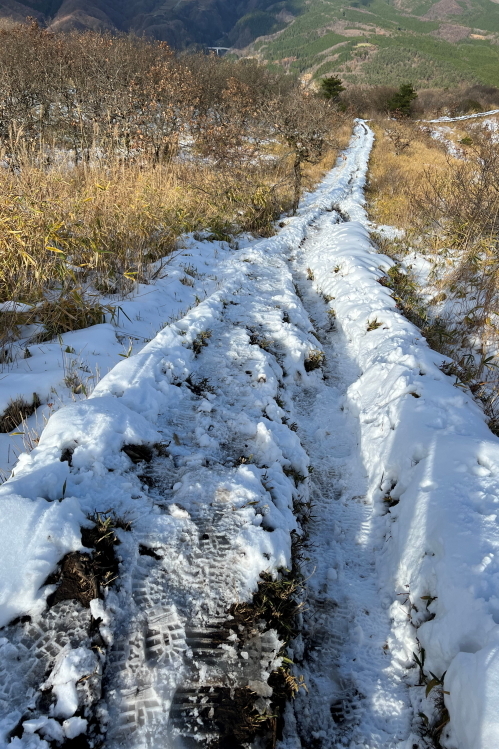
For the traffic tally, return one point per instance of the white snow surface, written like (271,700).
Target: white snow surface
(422,526)
(424,443)
(67,369)
(465,116)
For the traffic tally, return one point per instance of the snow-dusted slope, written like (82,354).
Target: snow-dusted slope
(201,445)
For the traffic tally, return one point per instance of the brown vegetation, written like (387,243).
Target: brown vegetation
(373,101)
(112,147)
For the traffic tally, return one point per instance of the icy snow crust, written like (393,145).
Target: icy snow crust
(218,390)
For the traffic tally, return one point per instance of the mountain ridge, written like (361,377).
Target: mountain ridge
(438,43)
(181,23)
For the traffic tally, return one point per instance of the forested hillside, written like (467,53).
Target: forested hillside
(433,44)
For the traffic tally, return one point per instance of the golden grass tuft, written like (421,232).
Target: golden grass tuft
(16,412)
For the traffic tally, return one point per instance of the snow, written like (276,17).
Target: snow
(144,401)
(473,684)
(465,116)
(68,369)
(443,134)
(392,577)
(424,443)
(70,666)
(73,727)
(34,535)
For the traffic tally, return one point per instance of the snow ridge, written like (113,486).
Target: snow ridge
(433,480)
(464,116)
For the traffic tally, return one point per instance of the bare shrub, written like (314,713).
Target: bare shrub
(368,101)
(17,410)
(112,147)
(306,124)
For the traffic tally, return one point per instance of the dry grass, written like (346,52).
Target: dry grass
(449,209)
(393,178)
(17,411)
(113,147)
(69,235)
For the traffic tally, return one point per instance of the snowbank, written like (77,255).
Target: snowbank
(68,368)
(433,469)
(34,535)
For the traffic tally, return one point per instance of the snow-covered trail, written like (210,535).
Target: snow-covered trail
(192,445)
(232,447)
(473,116)
(194,460)
(356,694)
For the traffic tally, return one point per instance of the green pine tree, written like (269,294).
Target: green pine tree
(401,102)
(331,87)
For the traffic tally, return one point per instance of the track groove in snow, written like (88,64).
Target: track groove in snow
(356,696)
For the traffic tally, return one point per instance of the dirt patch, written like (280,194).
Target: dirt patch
(77,580)
(452,33)
(314,360)
(138,453)
(236,718)
(81,575)
(243,717)
(274,603)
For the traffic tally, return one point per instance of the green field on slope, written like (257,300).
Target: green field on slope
(379,42)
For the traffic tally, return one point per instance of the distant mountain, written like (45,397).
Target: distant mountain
(432,43)
(429,42)
(181,23)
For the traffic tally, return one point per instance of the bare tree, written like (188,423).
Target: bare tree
(305,123)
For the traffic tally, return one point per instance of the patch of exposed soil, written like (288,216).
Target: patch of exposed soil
(236,719)
(81,575)
(273,607)
(452,33)
(77,580)
(138,453)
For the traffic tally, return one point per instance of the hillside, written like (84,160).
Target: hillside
(275,515)
(432,44)
(181,24)
(249,407)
